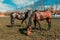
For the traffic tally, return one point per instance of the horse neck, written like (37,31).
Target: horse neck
(48,12)
(26,14)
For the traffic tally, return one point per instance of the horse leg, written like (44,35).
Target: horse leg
(38,21)
(12,20)
(29,27)
(35,24)
(22,22)
(49,23)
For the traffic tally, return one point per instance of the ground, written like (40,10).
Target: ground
(16,32)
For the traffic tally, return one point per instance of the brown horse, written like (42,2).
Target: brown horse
(38,16)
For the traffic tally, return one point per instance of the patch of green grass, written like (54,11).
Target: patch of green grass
(13,33)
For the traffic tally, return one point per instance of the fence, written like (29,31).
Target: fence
(55,16)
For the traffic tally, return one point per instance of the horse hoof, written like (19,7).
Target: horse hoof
(28,33)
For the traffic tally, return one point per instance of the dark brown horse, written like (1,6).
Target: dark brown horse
(38,16)
(20,16)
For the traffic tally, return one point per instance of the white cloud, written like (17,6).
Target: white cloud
(23,2)
(1,1)
(5,7)
(56,7)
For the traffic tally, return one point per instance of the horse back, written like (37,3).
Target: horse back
(43,15)
(49,14)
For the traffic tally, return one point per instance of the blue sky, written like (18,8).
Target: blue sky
(10,5)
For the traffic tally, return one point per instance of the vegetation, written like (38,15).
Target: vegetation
(7,32)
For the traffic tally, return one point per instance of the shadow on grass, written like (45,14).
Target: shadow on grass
(12,25)
(22,30)
(39,29)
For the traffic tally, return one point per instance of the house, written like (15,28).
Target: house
(1,14)
(7,13)
(57,11)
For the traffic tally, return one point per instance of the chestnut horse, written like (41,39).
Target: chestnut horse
(38,16)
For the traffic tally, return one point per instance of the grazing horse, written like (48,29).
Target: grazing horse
(20,16)
(38,16)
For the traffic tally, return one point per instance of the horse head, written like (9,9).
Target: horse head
(51,9)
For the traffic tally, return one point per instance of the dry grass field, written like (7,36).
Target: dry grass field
(18,33)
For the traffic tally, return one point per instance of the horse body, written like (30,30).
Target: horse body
(20,16)
(43,15)
(38,16)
